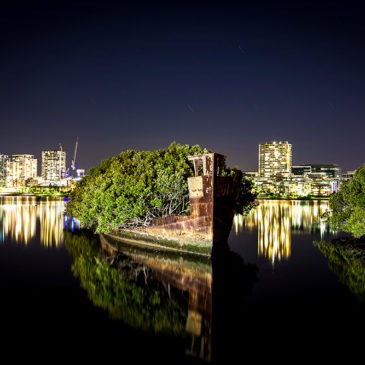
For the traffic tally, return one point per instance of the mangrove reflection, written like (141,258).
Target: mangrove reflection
(163,292)
(277,220)
(19,217)
(153,292)
(346,259)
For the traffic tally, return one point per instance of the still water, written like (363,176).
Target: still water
(269,293)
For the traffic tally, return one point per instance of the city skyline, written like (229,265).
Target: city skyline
(67,160)
(139,76)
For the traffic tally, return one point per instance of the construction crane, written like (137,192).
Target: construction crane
(73,163)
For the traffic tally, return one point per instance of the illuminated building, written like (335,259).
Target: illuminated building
(21,168)
(250,174)
(335,185)
(4,169)
(323,178)
(300,170)
(80,172)
(53,165)
(299,187)
(278,176)
(275,159)
(349,175)
(322,188)
(332,171)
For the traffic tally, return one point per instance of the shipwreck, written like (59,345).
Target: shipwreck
(212,199)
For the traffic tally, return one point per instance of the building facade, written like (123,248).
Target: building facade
(53,165)
(275,159)
(4,169)
(331,171)
(301,170)
(348,175)
(277,176)
(21,168)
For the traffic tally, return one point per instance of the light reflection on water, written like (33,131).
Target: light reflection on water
(172,294)
(276,221)
(19,217)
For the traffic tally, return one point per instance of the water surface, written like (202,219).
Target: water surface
(267,293)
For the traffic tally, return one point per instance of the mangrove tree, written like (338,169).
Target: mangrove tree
(130,189)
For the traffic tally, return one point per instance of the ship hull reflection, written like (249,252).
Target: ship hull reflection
(184,284)
(186,274)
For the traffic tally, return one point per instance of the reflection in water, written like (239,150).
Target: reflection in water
(233,284)
(346,259)
(159,292)
(277,220)
(19,216)
(52,222)
(169,294)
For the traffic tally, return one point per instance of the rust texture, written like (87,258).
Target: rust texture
(212,203)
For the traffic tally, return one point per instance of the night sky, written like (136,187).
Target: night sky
(225,75)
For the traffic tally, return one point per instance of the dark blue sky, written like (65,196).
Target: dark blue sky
(225,75)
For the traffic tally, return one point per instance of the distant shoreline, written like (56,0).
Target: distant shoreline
(66,194)
(287,198)
(33,194)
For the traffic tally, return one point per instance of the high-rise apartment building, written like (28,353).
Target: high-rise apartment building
(4,169)
(275,159)
(22,167)
(53,165)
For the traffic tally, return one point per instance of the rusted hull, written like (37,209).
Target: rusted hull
(212,205)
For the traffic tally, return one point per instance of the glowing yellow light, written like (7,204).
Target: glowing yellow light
(275,220)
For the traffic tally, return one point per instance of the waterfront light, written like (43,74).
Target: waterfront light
(277,220)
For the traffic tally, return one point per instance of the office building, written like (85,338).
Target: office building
(53,165)
(275,159)
(301,170)
(331,171)
(348,175)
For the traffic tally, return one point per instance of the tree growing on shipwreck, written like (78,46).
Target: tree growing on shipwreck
(133,188)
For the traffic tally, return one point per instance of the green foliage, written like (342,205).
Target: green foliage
(124,288)
(247,198)
(85,244)
(347,260)
(130,189)
(348,205)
